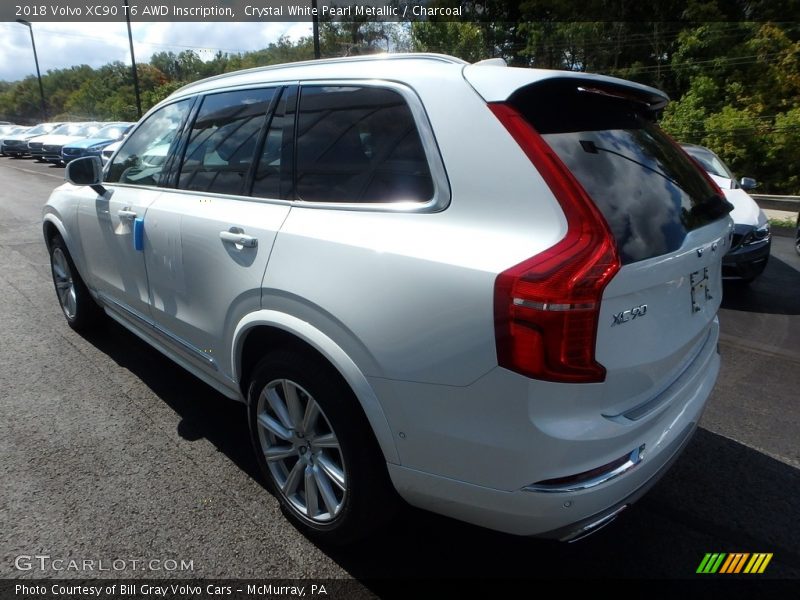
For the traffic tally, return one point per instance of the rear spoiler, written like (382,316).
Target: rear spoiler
(496,83)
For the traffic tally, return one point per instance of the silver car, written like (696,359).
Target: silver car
(489,291)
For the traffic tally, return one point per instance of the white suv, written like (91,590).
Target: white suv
(490,290)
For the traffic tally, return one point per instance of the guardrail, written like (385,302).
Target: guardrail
(787,203)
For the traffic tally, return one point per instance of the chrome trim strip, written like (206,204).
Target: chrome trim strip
(166,336)
(113,304)
(593,527)
(186,347)
(634,458)
(648,406)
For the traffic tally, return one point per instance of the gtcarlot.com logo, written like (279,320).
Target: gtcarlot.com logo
(734,562)
(45,562)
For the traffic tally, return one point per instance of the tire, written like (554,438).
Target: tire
(797,236)
(327,472)
(79,308)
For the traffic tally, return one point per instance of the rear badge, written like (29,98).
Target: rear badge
(630,314)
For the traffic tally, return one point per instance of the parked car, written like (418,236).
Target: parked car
(10,131)
(108,152)
(797,235)
(7,128)
(505,313)
(750,247)
(17,144)
(94,145)
(48,147)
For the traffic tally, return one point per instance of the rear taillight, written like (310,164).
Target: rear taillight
(546,308)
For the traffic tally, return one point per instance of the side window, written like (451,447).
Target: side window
(143,156)
(223,141)
(359,144)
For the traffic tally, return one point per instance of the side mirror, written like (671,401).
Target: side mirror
(748,183)
(86,171)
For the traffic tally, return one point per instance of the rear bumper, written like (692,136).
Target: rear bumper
(746,262)
(663,432)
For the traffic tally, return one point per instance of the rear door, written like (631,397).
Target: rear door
(210,238)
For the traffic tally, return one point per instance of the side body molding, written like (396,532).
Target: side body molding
(335,355)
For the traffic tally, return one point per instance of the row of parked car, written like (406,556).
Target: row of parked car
(61,143)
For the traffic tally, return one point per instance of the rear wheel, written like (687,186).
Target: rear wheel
(77,304)
(316,449)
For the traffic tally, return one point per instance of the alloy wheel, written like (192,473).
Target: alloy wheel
(302,451)
(65,285)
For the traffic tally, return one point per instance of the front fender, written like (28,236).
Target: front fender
(51,218)
(336,356)
(61,212)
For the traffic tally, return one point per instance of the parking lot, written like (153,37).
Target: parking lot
(109,450)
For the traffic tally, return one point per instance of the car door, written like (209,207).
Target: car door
(209,239)
(108,222)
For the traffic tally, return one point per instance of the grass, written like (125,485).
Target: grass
(787,222)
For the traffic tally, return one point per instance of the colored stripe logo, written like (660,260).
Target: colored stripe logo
(735,562)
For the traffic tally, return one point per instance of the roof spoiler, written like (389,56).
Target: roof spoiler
(497,83)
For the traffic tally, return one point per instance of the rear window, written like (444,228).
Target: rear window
(650,193)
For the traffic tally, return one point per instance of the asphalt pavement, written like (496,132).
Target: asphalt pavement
(110,451)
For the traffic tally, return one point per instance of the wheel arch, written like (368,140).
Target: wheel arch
(269,329)
(52,226)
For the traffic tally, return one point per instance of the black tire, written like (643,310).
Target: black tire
(81,311)
(367,500)
(797,236)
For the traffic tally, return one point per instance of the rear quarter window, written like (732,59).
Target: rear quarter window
(359,144)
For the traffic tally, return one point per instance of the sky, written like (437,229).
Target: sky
(61,45)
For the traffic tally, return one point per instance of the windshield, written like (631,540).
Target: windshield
(77,129)
(709,161)
(41,129)
(110,132)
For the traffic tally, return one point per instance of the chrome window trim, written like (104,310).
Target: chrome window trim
(441,184)
(195,193)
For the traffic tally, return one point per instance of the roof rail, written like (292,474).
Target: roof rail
(325,61)
(491,62)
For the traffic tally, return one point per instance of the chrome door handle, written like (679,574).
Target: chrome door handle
(126,214)
(240,239)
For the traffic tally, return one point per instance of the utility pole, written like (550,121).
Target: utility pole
(315,27)
(38,73)
(133,62)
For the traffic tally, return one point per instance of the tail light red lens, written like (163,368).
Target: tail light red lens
(546,308)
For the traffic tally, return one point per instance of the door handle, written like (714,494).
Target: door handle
(126,214)
(238,238)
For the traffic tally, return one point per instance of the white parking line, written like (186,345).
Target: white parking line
(35,172)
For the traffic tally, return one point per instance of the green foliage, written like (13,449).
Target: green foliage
(464,40)
(732,68)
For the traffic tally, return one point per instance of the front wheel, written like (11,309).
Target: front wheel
(314,445)
(76,302)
